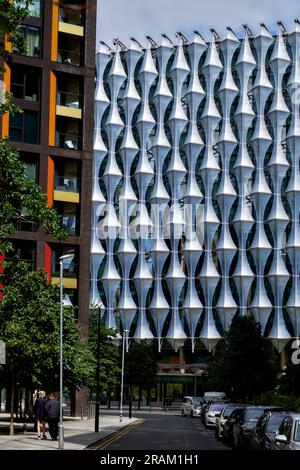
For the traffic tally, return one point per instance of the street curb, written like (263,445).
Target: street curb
(105,441)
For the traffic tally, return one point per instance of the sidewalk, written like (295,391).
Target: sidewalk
(78,434)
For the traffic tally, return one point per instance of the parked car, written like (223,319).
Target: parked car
(191,406)
(265,429)
(288,434)
(211,411)
(207,403)
(223,417)
(244,424)
(227,435)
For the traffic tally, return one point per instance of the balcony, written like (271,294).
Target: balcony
(69,57)
(67,183)
(69,273)
(71,21)
(68,141)
(66,189)
(69,104)
(70,49)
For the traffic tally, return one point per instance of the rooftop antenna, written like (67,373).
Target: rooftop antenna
(137,42)
(184,39)
(167,38)
(283,29)
(248,30)
(106,45)
(152,42)
(231,30)
(117,42)
(198,34)
(216,36)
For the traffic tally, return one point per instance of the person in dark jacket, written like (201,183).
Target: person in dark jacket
(52,412)
(40,414)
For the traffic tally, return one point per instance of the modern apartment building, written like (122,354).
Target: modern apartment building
(195,192)
(54,85)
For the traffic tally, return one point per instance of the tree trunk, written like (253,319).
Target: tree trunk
(12,405)
(140,397)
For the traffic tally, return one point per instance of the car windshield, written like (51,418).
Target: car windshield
(228,410)
(253,414)
(197,401)
(274,423)
(216,407)
(297,431)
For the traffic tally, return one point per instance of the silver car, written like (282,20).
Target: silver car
(191,406)
(288,434)
(212,411)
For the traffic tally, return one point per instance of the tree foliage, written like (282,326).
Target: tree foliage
(29,326)
(12,14)
(21,199)
(109,356)
(141,368)
(245,363)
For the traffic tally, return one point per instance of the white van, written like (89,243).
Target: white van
(214,396)
(191,406)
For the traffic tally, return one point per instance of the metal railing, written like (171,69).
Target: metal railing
(69,141)
(69,271)
(69,223)
(68,15)
(71,100)
(69,57)
(67,183)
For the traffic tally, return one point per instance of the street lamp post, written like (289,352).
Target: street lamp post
(122,374)
(97,406)
(130,385)
(61,325)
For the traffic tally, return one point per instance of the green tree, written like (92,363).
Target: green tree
(29,326)
(21,199)
(141,367)
(245,363)
(109,355)
(12,13)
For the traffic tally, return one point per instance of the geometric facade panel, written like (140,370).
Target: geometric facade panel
(196,186)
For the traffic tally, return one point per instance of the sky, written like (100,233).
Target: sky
(125,18)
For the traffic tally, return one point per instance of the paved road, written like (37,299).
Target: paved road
(167,432)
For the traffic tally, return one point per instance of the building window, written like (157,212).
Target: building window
(70,49)
(34,9)
(68,133)
(30,161)
(25,83)
(71,16)
(69,91)
(69,216)
(66,175)
(69,264)
(23,127)
(23,251)
(32,35)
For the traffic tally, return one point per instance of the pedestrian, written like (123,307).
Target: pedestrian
(40,414)
(52,412)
